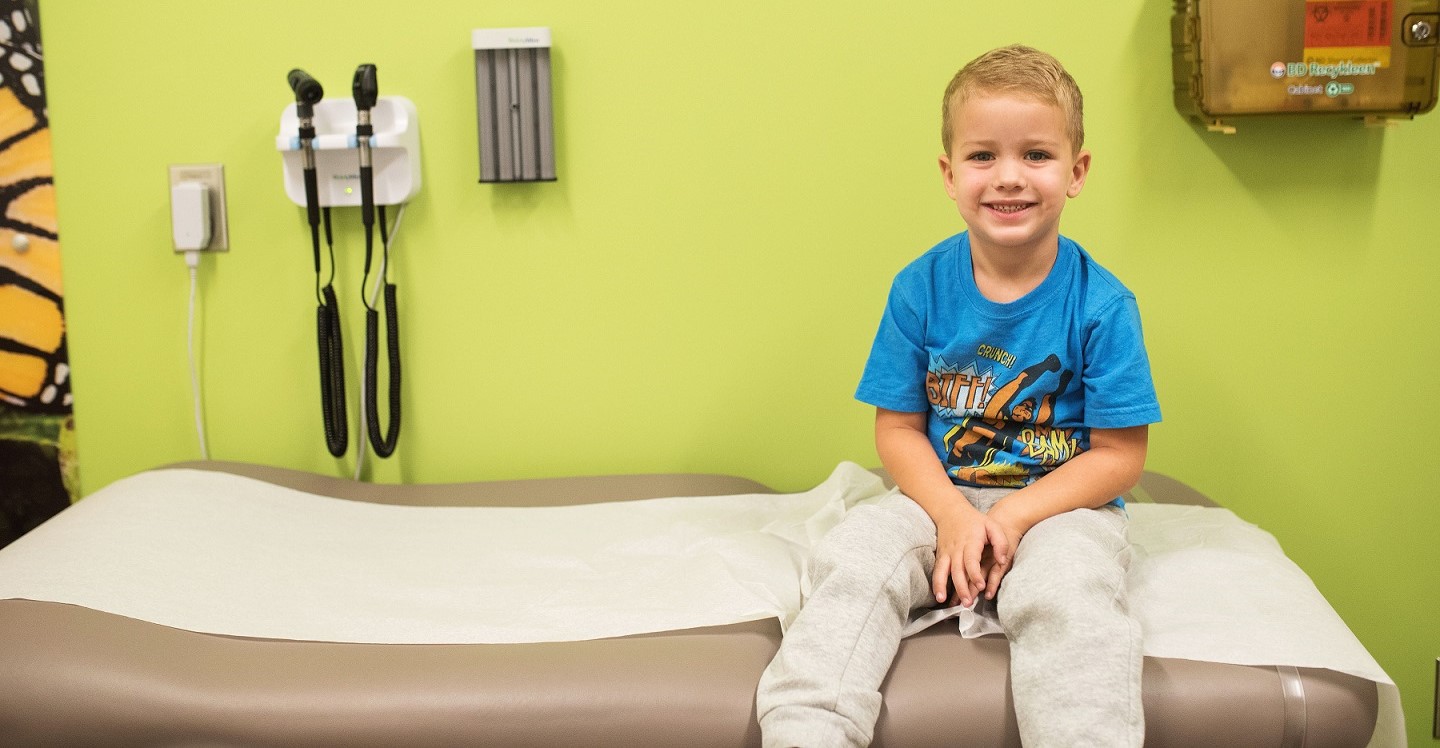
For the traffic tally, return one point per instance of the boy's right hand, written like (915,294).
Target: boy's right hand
(962,533)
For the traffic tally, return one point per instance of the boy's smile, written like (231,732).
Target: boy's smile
(1010,169)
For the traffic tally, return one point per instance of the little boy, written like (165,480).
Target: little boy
(1013,397)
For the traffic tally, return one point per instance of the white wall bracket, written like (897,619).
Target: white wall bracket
(395,149)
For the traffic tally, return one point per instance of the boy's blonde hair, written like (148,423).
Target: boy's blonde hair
(1017,69)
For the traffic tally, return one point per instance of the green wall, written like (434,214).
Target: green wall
(738,183)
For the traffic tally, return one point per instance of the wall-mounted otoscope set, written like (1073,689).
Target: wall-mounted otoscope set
(364,152)
(322,142)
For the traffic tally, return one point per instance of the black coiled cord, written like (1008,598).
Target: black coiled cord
(332,353)
(384,446)
(332,375)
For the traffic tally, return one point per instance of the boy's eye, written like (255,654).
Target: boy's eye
(982,156)
(1037,156)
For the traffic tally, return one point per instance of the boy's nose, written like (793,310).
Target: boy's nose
(1009,175)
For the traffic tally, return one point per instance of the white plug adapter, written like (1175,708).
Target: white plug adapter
(190,215)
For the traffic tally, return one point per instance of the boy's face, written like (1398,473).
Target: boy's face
(1010,169)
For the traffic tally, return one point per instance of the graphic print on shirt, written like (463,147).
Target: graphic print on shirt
(1005,434)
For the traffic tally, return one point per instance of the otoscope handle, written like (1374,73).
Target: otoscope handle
(312,197)
(367,196)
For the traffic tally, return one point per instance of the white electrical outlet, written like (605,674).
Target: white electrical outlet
(213,177)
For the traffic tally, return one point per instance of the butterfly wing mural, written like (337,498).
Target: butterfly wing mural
(37,463)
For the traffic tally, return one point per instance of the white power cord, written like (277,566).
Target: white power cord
(192,260)
(374,294)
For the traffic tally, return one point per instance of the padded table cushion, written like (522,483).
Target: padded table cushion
(74,676)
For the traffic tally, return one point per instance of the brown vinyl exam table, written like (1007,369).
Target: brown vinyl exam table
(70,675)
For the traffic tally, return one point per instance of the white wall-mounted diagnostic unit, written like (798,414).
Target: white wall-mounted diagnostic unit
(395,149)
(513,104)
(1370,59)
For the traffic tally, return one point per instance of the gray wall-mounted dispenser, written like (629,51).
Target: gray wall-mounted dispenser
(512,95)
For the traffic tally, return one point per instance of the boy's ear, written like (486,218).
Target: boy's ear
(948,174)
(1078,172)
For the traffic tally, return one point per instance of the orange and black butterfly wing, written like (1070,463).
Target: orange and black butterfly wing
(36,430)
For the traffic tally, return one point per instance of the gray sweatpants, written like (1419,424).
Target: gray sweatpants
(1075,656)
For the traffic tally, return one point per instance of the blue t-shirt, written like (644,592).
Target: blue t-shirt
(1012,390)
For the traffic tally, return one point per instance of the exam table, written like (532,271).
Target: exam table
(71,675)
